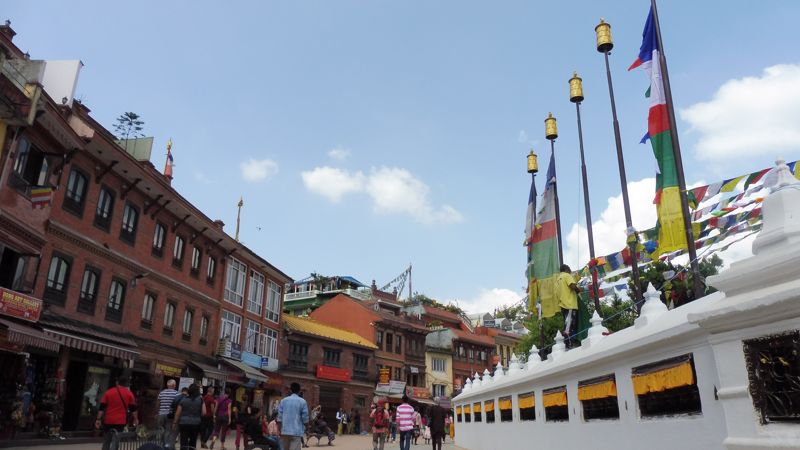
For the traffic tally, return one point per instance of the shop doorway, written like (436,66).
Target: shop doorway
(330,398)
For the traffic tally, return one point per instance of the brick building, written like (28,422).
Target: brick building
(335,367)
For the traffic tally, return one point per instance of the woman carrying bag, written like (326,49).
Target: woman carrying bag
(187,417)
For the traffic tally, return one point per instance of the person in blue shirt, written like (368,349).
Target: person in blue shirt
(293,417)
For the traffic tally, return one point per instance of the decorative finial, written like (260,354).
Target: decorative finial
(604,41)
(575,88)
(533,163)
(550,128)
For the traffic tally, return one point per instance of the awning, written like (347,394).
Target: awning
(249,372)
(91,345)
(209,371)
(27,335)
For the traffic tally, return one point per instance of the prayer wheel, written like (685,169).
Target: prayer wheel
(550,128)
(604,41)
(575,88)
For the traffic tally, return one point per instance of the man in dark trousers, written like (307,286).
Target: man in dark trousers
(436,424)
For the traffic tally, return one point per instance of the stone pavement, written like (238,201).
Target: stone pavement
(347,442)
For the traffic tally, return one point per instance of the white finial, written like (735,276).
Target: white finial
(513,365)
(558,348)
(476,380)
(533,358)
(467,385)
(596,332)
(487,376)
(652,308)
(783,176)
(498,371)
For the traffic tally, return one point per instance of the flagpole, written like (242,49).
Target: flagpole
(604,45)
(533,167)
(551,133)
(676,150)
(576,96)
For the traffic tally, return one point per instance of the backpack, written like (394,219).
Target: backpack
(380,419)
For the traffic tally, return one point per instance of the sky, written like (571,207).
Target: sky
(365,136)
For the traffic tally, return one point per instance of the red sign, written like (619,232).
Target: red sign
(333,373)
(418,392)
(19,305)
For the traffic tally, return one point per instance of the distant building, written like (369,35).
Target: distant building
(303,296)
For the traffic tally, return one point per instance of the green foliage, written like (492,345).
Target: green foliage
(550,326)
(129,125)
(422,299)
(514,312)
(678,286)
(617,313)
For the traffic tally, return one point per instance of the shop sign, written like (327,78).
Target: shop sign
(418,392)
(385,375)
(185,382)
(251,359)
(268,363)
(274,379)
(391,388)
(332,373)
(490,323)
(236,351)
(19,305)
(169,371)
(414,369)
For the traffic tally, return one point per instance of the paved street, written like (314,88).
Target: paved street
(347,442)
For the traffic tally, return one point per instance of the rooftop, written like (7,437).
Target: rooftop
(314,328)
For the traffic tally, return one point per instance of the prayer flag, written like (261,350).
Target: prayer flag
(544,250)
(41,196)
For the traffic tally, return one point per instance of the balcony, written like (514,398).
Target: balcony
(303,295)
(20,89)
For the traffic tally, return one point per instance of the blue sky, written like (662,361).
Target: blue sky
(367,135)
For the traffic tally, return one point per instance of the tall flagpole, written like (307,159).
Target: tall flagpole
(551,133)
(604,45)
(533,167)
(697,285)
(576,96)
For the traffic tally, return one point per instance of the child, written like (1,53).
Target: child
(426,434)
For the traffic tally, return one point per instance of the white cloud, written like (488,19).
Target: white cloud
(339,153)
(255,170)
(749,116)
(523,137)
(489,299)
(609,230)
(392,191)
(332,183)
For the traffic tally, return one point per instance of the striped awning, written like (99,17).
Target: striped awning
(27,335)
(91,345)
(249,372)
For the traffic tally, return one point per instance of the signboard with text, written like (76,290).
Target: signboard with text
(19,305)
(332,373)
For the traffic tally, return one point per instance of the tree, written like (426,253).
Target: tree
(675,281)
(129,125)
(422,299)
(513,312)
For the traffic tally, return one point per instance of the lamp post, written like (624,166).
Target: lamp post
(576,96)
(604,45)
(551,133)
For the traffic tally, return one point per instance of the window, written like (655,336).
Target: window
(359,401)
(204,329)
(467,413)
(188,318)
(461,352)
(30,165)
(211,270)
(379,339)
(116,300)
(458,414)
(398,347)
(667,387)
(231,326)
(234,288)
(252,338)
(476,412)
(89,285)
(360,366)
(269,343)
(488,407)
(196,255)
(527,406)
(177,252)
(331,357)
(148,305)
(169,317)
(298,355)
(12,270)
(598,398)
(439,390)
(556,408)
(506,414)
(75,196)
(389,342)
(471,354)
(773,366)
(130,217)
(255,298)
(483,355)
(105,209)
(159,238)
(438,365)
(273,302)
(398,373)
(57,280)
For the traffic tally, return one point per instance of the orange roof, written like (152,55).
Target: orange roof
(312,327)
(474,338)
(442,314)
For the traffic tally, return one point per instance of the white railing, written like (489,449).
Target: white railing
(289,296)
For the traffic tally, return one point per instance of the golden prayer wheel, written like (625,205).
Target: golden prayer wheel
(533,163)
(575,88)
(604,41)
(550,129)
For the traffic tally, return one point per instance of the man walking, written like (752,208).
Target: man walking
(567,295)
(292,417)
(436,423)
(117,406)
(165,414)
(405,423)
(207,420)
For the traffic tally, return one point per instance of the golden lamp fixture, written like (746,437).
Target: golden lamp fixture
(550,128)
(604,41)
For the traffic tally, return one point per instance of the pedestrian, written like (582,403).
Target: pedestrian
(320,427)
(437,424)
(380,425)
(252,430)
(447,422)
(567,294)
(393,423)
(207,422)
(222,419)
(273,429)
(117,410)
(341,420)
(243,415)
(293,418)
(188,417)
(405,423)
(165,412)
(417,419)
